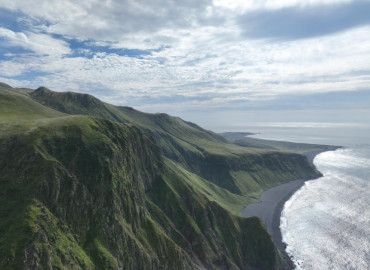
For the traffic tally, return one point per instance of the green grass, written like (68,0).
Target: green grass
(241,139)
(201,211)
(36,229)
(199,151)
(231,202)
(113,187)
(14,106)
(106,167)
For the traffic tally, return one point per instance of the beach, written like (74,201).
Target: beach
(272,203)
(270,207)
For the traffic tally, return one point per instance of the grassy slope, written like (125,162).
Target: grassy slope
(232,202)
(76,182)
(240,170)
(84,193)
(15,105)
(209,228)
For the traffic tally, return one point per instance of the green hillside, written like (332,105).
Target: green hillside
(242,139)
(244,171)
(78,192)
(88,185)
(14,105)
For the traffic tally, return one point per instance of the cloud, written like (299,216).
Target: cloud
(114,20)
(38,43)
(215,74)
(248,5)
(174,56)
(297,22)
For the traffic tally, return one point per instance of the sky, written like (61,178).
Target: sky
(223,64)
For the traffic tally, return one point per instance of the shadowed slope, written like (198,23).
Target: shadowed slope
(79,192)
(240,170)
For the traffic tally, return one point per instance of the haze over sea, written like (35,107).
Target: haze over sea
(326,224)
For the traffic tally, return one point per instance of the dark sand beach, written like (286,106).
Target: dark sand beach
(272,203)
(270,207)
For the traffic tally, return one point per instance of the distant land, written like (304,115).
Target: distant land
(88,185)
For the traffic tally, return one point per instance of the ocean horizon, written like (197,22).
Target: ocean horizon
(326,223)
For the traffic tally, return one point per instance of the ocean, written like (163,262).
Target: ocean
(326,224)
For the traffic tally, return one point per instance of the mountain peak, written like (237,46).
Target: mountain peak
(5,85)
(43,89)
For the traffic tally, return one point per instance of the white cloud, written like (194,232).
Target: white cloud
(199,53)
(246,5)
(40,44)
(200,64)
(112,20)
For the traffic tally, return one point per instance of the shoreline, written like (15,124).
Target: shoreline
(272,203)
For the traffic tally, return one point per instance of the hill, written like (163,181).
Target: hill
(242,139)
(88,185)
(244,171)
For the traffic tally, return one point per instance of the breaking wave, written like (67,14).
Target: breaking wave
(326,224)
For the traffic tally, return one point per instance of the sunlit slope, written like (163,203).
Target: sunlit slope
(77,192)
(15,105)
(238,169)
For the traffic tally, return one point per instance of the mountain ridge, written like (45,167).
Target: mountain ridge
(193,147)
(84,192)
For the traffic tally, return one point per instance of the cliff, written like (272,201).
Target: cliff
(121,189)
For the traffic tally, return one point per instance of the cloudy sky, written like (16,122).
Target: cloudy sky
(221,63)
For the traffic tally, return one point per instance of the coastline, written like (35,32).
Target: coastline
(272,203)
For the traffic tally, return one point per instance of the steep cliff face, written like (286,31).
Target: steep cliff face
(84,193)
(127,190)
(80,198)
(247,173)
(218,238)
(238,169)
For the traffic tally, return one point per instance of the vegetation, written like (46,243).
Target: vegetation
(88,185)
(240,170)
(242,139)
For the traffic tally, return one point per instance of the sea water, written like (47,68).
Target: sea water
(326,224)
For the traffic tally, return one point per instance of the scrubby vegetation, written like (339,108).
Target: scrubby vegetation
(88,185)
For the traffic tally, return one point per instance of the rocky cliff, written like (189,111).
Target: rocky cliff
(121,189)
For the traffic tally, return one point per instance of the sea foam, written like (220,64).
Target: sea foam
(326,224)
